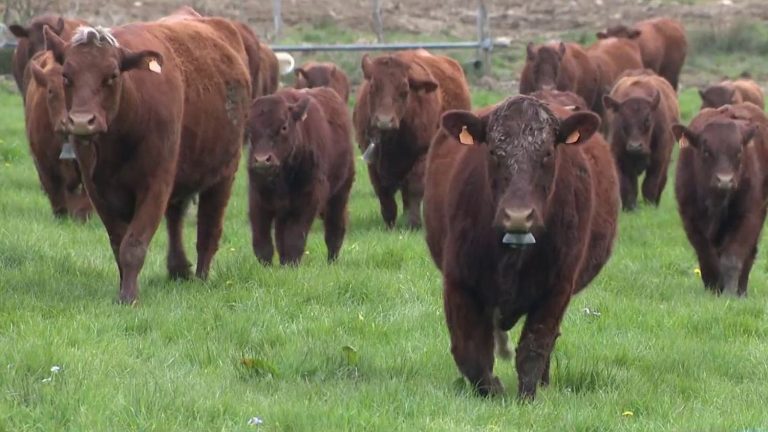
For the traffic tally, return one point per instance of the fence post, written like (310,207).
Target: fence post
(277,17)
(484,36)
(378,26)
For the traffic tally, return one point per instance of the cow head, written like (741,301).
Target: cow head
(275,131)
(392,83)
(566,99)
(633,122)
(313,76)
(93,64)
(545,62)
(47,75)
(33,33)
(522,136)
(717,95)
(718,150)
(619,31)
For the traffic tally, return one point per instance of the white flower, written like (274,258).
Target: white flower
(47,380)
(55,369)
(255,421)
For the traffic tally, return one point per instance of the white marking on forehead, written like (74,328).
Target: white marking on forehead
(97,35)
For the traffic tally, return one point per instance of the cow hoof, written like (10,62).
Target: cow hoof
(127,300)
(180,273)
(493,388)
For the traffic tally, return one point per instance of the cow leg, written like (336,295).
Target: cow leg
(654,182)
(537,341)
(261,231)
(335,221)
(472,338)
(628,189)
(413,194)
(177,262)
(737,255)
(291,235)
(54,189)
(744,278)
(210,220)
(133,247)
(116,229)
(386,197)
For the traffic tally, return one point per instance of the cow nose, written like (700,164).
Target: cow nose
(724,181)
(82,123)
(386,122)
(548,87)
(264,161)
(634,146)
(518,220)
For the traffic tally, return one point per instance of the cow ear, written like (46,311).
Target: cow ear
(367,65)
(601,35)
(748,135)
(702,94)
(529,52)
(731,94)
(578,128)
(38,74)
(427,84)
(300,73)
(59,26)
(55,44)
(464,126)
(685,136)
(634,33)
(561,49)
(299,109)
(611,103)
(656,100)
(146,59)
(18,31)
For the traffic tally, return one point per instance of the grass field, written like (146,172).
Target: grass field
(360,345)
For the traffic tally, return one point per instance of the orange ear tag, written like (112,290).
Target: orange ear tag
(465,137)
(573,138)
(683,142)
(154,66)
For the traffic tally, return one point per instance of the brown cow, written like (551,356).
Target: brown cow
(643,108)
(31,41)
(396,116)
(721,191)
(662,43)
(730,92)
(313,74)
(157,112)
(560,66)
(300,167)
(524,228)
(45,117)
(612,57)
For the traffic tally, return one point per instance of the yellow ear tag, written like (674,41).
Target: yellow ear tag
(683,142)
(154,66)
(573,138)
(465,137)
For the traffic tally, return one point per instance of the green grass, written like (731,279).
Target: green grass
(360,345)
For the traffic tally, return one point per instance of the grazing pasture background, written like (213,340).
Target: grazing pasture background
(362,344)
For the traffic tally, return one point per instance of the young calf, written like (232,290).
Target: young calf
(721,191)
(529,204)
(312,75)
(643,108)
(300,166)
(732,92)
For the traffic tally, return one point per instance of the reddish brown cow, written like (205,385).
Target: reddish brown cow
(31,41)
(311,75)
(529,207)
(662,43)
(300,167)
(45,116)
(642,108)
(612,57)
(721,191)
(396,116)
(559,66)
(157,112)
(730,92)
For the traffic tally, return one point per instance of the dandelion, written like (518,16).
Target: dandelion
(231,249)
(697,271)
(55,369)
(47,380)
(627,414)
(255,421)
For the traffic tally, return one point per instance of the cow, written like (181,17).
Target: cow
(529,205)
(31,41)
(662,43)
(312,74)
(721,191)
(300,167)
(156,113)
(559,66)
(730,92)
(45,117)
(396,116)
(643,107)
(611,57)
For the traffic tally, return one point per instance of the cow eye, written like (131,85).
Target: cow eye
(66,80)
(284,128)
(110,80)
(706,153)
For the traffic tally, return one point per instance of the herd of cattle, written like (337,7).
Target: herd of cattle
(521,199)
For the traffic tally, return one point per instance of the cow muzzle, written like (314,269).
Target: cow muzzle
(635,146)
(264,163)
(386,122)
(517,224)
(84,124)
(724,182)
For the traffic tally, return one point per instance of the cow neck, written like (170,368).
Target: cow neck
(129,117)
(721,212)
(301,163)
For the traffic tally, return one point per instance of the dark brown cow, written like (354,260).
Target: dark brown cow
(31,41)
(730,92)
(642,108)
(311,75)
(529,207)
(300,167)
(721,191)
(396,116)
(612,57)
(662,43)
(157,112)
(560,66)
(45,116)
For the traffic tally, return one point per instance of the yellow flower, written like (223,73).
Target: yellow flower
(697,271)
(627,414)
